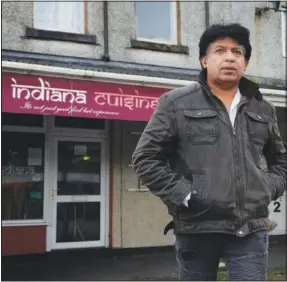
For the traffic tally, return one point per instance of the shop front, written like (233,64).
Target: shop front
(56,159)
(53,178)
(67,181)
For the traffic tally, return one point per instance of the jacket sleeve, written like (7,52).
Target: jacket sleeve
(150,158)
(277,160)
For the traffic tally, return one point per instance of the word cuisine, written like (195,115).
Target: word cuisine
(48,94)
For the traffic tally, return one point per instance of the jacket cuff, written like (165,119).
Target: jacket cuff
(181,191)
(276,186)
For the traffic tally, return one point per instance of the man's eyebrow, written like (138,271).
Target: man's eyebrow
(241,48)
(238,47)
(222,46)
(219,46)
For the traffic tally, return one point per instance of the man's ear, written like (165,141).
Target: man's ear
(246,64)
(203,62)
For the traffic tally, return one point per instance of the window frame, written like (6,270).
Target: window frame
(283,31)
(175,24)
(32,222)
(69,131)
(85,21)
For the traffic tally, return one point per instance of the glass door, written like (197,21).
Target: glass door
(78,195)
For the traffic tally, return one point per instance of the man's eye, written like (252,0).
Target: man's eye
(238,52)
(219,51)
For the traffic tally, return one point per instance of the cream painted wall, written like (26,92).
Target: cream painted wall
(138,217)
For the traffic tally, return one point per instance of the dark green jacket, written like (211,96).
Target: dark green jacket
(189,145)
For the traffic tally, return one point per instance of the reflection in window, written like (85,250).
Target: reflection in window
(22,175)
(79,168)
(156,21)
(78,222)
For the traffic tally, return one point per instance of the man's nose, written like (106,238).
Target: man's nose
(229,56)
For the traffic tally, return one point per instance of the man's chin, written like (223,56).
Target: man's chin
(229,78)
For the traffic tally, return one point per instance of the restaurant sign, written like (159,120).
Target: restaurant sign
(47,95)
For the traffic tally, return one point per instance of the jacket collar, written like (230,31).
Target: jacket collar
(247,88)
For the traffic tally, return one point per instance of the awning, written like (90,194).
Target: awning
(49,95)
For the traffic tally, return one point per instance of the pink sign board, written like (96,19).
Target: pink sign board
(47,95)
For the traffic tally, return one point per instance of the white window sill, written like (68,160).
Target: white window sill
(159,41)
(138,190)
(10,223)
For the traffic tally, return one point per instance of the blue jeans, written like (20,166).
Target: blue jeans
(198,256)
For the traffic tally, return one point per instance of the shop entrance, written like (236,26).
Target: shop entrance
(78,192)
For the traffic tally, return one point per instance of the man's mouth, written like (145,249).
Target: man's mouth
(229,68)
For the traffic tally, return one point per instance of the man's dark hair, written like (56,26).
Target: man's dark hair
(219,31)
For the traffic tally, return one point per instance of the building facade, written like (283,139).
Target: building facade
(79,82)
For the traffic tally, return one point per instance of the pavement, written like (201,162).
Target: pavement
(92,264)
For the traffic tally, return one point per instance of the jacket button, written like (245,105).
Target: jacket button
(233,227)
(200,114)
(240,233)
(194,192)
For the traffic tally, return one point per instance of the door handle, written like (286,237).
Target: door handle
(54,193)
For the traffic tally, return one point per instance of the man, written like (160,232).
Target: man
(213,153)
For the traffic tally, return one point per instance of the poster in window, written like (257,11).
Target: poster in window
(34,157)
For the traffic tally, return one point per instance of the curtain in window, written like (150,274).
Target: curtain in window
(59,16)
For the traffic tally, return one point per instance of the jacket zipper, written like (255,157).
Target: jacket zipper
(238,182)
(240,185)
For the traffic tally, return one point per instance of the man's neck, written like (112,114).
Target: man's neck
(225,92)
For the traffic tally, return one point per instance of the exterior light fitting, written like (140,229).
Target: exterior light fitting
(272,5)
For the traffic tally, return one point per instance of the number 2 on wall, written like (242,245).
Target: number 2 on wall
(277,207)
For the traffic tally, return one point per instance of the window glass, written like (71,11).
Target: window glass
(79,168)
(22,175)
(156,21)
(22,119)
(80,221)
(80,123)
(59,16)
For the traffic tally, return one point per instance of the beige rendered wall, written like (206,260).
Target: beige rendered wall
(138,218)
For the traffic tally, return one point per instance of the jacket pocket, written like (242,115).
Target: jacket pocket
(258,128)
(270,185)
(201,126)
(198,203)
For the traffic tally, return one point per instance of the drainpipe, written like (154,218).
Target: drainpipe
(206,4)
(106,56)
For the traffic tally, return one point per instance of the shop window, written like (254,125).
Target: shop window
(22,175)
(157,21)
(60,16)
(79,123)
(22,119)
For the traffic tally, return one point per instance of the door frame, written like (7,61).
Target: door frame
(52,183)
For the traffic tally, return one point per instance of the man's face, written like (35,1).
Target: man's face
(225,61)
